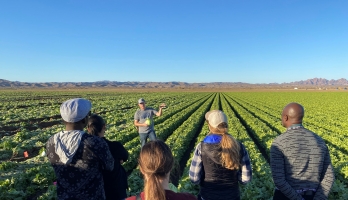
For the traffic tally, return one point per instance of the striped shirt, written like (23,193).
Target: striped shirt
(300,161)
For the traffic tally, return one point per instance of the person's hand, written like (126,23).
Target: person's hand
(163,105)
(121,161)
(145,124)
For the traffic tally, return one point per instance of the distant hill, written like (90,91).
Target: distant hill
(310,83)
(322,82)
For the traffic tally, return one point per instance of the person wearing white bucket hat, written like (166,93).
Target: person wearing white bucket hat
(220,162)
(76,157)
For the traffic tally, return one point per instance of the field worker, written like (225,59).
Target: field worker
(300,160)
(77,157)
(219,162)
(143,120)
(155,163)
(115,182)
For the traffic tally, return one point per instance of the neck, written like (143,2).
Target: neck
(165,182)
(294,125)
(70,127)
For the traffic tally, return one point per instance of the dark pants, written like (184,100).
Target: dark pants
(278,195)
(144,136)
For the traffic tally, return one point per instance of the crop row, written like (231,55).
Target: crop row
(49,109)
(163,130)
(264,135)
(253,120)
(185,184)
(178,140)
(336,145)
(16,176)
(325,130)
(26,140)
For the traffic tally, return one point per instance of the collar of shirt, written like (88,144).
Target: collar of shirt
(295,126)
(212,138)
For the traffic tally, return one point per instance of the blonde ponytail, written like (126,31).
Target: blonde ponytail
(230,156)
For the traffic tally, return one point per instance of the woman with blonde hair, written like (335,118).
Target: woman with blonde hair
(155,162)
(220,162)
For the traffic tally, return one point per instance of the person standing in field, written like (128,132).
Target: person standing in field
(143,120)
(219,162)
(115,181)
(77,157)
(155,163)
(300,160)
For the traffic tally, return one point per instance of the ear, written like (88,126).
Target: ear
(285,118)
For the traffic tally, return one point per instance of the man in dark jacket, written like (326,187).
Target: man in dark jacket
(78,158)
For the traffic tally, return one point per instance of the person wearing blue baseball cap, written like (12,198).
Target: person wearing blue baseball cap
(143,121)
(77,157)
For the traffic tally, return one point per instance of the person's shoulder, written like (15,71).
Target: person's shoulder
(87,136)
(93,140)
(132,198)
(135,197)
(183,196)
(51,139)
(282,136)
(242,146)
(113,143)
(320,140)
(199,146)
(186,196)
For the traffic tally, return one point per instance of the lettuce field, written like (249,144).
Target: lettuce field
(28,119)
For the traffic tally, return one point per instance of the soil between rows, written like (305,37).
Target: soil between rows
(176,175)
(250,132)
(33,123)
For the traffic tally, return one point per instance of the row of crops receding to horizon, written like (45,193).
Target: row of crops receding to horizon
(28,119)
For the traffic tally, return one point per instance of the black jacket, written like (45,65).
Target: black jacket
(217,182)
(115,182)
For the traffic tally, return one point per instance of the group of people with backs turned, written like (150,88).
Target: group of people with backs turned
(88,166)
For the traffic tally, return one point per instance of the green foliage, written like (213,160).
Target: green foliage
(326,115)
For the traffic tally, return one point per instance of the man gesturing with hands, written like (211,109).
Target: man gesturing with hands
(143,120)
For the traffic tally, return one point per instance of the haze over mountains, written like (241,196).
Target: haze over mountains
(309,83)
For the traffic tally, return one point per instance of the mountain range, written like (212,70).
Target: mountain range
(309,83)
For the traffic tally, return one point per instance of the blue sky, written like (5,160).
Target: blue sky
(190,41)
